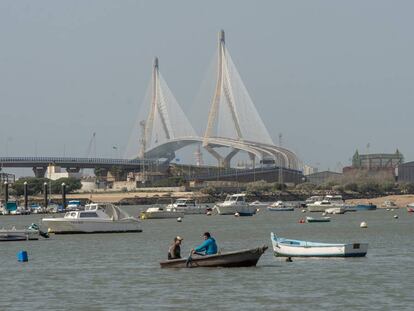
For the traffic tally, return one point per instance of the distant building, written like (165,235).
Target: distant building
(320,178)
(405,172)
(56,172)
(307,170)
(375,162)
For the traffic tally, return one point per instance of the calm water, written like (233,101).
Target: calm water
(121,271)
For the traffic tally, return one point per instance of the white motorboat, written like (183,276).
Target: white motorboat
(158,212)
(389,204)
(235,203)
(187,206)
(328,202)
(336,210)
(297,248)
(279,206)
(258,204)
(14,234)
(96,218)
(313,199)
(74,205)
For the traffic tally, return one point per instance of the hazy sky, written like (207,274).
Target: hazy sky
(331,76)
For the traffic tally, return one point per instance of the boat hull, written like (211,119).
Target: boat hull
(243,258)
(161,215)
(242,210)
(64,226)
(312,220)
(280,209)
(18,235)
(365,207)
(283,248)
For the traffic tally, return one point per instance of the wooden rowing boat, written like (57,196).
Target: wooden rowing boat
(297,248)
(242,258)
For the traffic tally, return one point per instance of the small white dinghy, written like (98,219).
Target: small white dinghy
(296,248)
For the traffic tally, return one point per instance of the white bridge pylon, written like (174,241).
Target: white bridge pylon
(166,120)
(233,121)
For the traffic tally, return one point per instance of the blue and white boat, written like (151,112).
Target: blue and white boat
(296,248)
(279,206)
(74,205)
(365,207)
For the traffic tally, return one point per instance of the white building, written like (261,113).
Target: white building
(55,172)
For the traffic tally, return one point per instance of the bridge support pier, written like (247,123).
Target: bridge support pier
(39,171)
(223,162)
(253,159)
(228,157)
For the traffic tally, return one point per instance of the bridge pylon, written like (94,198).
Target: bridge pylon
(165,121)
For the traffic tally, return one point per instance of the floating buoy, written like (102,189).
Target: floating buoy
(237,214)
(363,225)
(388,209)
(395,216)
(303,211)
(301,221)
(208,213)
(22,256)
(179,219)
(323,214)
(392,210)
(257,210)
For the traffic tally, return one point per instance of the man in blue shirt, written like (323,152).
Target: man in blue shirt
(209,246)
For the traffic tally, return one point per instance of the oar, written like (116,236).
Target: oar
(189,260)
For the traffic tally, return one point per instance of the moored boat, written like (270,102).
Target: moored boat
(74,205)
(14,234)
(313,219)
(242,258)
(365,207)
(158,212)
(389,204)
(336,210)
(187,206)
(96,218)
(258,204)
(298,248)
(279,206)
(235,203)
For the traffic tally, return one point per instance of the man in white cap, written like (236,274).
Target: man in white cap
(174,252)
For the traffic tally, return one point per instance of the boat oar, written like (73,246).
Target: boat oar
(189,260)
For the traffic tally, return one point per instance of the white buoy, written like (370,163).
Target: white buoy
(303,211)
(392,210)
(208,213)
(388,209)
(179,219)
(323,214)
(363,225)
(257,210)
(395,216)
(237,214)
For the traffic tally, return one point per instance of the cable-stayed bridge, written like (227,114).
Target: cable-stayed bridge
(233,122)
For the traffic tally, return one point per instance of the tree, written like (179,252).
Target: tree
(72,184)
(34,185)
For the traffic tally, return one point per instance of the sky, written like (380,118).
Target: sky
(331,76)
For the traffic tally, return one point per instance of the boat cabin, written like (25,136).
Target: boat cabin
(236,198)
